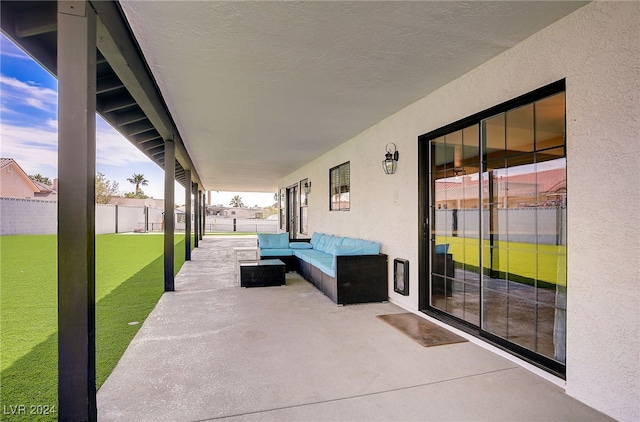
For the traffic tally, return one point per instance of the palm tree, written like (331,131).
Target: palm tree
(236,202)
(138,179)
(40,178)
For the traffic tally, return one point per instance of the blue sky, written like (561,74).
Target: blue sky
(28,132)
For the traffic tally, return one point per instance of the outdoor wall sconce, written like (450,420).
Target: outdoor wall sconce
(307,187)
(390,159)
(459,171)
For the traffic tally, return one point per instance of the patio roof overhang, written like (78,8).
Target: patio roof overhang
(251,91)
(126,93)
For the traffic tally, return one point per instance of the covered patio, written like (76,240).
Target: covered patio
(213,350)
(281,96)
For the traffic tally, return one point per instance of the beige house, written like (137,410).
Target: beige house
(15,183)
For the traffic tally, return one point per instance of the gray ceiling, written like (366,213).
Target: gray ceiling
(258,89)
(251,91)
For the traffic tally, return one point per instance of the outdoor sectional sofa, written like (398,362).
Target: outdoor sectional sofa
(345,269)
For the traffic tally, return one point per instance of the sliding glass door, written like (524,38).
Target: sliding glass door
(455,248)
(497,234)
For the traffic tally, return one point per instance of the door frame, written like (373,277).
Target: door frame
(293,212)
(424,244)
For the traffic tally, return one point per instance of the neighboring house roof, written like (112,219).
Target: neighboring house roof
(39,190)
(545,181)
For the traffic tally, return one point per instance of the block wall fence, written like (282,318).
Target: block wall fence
(24,216)
(27,216)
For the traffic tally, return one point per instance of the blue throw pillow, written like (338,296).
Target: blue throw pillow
(300,245)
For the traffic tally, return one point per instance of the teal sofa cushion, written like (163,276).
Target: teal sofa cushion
(370,248)
(442,249)
(307,254)
(315,239)
(324,242)
(333,244)
(273,240)
(325,264)
(276,252)
(350,241)
(347,250)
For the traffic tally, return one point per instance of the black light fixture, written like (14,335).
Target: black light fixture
(307,187)
(390,159)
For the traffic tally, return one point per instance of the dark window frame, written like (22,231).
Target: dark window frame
(424,251)
(343,172)
(303,204)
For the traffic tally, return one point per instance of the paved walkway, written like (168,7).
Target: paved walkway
(215,351)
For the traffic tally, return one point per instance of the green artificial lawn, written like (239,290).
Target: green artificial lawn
(129,282)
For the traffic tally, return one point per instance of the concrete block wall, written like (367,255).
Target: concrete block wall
(129,218)
(24,216)
(27,216)
(105,219)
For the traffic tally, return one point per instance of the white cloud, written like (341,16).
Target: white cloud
(28,93)
(113,149)
(35,149)
(15,136)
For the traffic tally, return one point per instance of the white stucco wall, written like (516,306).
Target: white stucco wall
(597,50)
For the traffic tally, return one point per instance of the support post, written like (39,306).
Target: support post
(187,216)
(203,214)
(196,219)
(76,211)
(169,207)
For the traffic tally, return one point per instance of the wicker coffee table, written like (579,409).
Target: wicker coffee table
(261,273)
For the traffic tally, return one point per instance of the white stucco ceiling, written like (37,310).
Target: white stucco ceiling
(258,89)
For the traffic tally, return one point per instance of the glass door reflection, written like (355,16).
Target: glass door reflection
(497,206)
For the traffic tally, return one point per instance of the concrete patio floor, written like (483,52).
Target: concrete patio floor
(214,351)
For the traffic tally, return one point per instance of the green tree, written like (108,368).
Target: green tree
(236,202)
(272,210)
(105,189)
(138,180)
(139,195)
(40,178)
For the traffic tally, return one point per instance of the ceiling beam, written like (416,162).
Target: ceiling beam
(139,127)
(108,104)
(130,116)
(117,45)
(107,84)
(44,54)
(28,24)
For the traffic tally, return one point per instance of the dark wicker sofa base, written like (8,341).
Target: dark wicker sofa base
(359,279)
